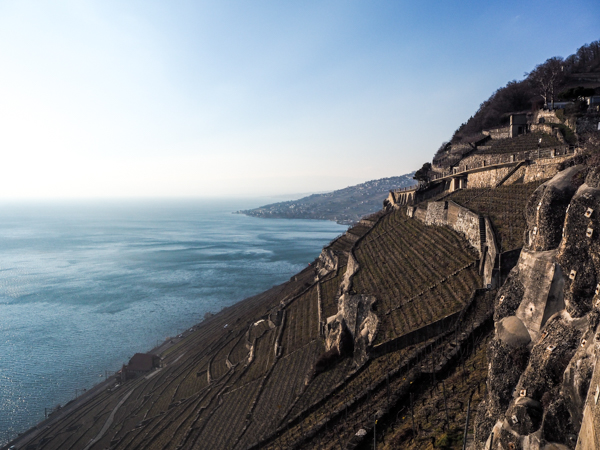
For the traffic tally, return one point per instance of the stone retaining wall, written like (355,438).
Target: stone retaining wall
(466,222)
(544,168)
(420,214)
(489,178)
(498,133)
(437,213)
(417,336)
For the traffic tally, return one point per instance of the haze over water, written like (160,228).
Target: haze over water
(84,286)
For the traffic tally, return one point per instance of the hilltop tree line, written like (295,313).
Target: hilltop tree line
(546,83)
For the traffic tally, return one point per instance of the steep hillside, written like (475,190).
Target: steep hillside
(554,80)
(345,206)
(271,370)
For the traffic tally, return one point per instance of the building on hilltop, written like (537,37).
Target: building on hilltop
(518,124)
(558,104)
(527,157)
(593,101)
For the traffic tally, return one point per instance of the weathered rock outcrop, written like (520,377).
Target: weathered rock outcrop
(355,317)
(543,283)
(545,347)
(327,262)
(546,209)
(579,251)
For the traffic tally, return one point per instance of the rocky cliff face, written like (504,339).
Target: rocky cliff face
(546,341)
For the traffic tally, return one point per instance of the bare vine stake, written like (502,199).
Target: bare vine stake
(432,372)
(412,416)
(375,433)
(388,390)
(467,423)
(445,403)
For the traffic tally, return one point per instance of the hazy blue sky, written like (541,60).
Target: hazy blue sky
(176,98)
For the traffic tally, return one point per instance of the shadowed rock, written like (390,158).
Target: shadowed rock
(546,209)
(512,332)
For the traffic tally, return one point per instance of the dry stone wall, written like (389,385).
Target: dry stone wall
(498,133)
(542,169)
(546,116)
(487,178)
(480,161)
(466,222)
(437,213)
(546,128)
(536,170)
(546,155)
(420,214)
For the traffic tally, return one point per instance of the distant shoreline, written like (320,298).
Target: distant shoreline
(330,219)
(345,206)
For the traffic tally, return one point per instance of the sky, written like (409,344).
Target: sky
(128,99)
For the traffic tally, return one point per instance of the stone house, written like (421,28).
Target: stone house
(518,125)
(139,364)
(593,101)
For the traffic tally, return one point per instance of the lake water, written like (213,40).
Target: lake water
(84,286)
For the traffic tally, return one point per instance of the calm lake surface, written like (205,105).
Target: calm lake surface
(84,286)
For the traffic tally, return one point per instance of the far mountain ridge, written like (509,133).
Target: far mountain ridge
(345,206)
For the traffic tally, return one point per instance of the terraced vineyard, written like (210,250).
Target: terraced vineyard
(504,205)
(383,390)
(419,274)
(524,142)
(466,381)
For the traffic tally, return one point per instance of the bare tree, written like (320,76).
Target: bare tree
(548,78)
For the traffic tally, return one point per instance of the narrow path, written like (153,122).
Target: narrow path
(109,421)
